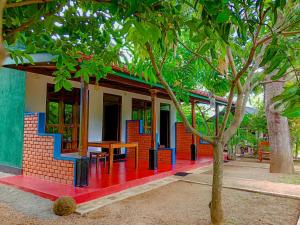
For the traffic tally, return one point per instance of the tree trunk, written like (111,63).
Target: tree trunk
(279,135)
(297,148)
(216,209)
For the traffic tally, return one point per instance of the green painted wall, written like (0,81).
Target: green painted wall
(12,100)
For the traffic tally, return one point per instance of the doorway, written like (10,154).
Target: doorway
(164,125)
(111,117)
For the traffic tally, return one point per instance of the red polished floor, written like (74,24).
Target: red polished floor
(100,183)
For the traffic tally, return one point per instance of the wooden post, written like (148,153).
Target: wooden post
(83,141)
(194,137)
(217,119)
(75,125)
(61,114)
(193,120)
(153,151)
(153,122)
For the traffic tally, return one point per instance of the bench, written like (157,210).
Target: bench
(263,154)
(95,151)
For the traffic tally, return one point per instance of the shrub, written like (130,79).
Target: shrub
(64,206)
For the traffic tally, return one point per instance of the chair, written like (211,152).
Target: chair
(96,151)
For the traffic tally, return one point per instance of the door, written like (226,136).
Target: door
(165,125)
(111,117)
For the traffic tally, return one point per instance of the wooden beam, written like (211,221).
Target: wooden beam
(193,109)
(153,122)
(84,90)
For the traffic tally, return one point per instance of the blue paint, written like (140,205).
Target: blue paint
(203,142)
(57,140)
(141,127)
(157,141)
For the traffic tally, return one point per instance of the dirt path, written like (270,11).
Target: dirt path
(178,203)
(253,176)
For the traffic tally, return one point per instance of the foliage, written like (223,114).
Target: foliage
(85,51)
(221,44)
(289,100)
(295,135)
(252,126)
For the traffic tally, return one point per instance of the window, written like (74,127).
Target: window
(63,115)
(141,110)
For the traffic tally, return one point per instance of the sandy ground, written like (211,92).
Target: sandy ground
(258,171)
(178,203)
(175,204)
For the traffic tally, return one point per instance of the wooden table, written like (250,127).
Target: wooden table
(111,145)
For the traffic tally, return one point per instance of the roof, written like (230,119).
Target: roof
(121,72)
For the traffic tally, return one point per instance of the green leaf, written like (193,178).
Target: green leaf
(281,72)
(58,86)
(223,17)
(86,77)
(29,58)
(292,112)
(204,48)
(77,74)
(276,61)
(67,85)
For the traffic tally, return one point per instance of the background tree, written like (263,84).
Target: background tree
(283,66)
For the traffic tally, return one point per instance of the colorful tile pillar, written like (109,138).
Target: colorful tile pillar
(194,138)
(12,101)
(153,155)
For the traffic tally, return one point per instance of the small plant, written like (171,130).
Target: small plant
(64,206)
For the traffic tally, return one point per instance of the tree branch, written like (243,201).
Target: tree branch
(23,3)
(204,119)
(164,59)
(288,33)
(233,68)
(238,115)
(173,97)
(281,32)
(254,47)
(228,110)
(202,57)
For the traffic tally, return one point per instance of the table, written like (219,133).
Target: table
(111,145)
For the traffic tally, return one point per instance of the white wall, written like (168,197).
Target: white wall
(36,91)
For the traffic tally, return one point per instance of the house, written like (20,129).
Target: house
(42,135)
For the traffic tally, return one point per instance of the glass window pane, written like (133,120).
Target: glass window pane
(53,116)
(68,113)
(141,110)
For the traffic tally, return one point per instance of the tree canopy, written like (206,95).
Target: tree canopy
(228,47)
